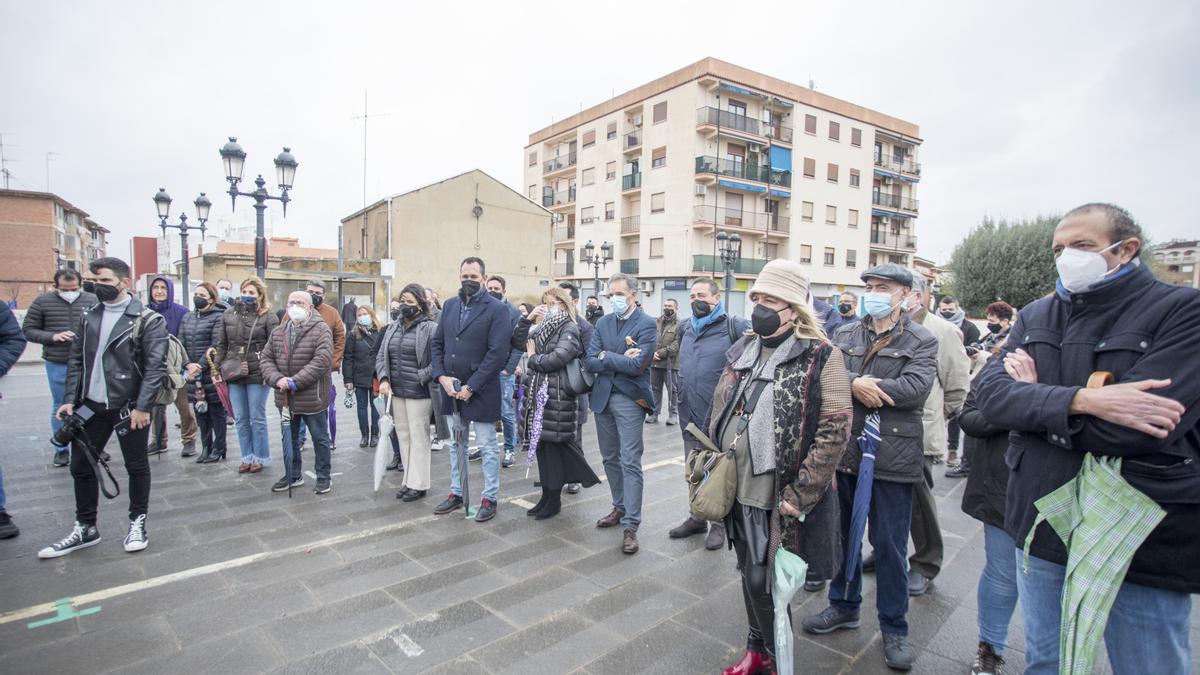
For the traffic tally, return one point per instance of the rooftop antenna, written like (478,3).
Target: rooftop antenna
(365,116)
(812,84)
(8,175)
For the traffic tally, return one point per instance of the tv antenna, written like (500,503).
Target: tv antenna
(7,175)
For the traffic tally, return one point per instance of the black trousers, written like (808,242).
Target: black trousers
(133,448)
(748,532)
(212,427)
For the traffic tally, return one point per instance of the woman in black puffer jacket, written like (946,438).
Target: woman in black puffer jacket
(198,333)
(358,372)
(548,411)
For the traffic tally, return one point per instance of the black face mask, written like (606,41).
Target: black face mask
(994,328)
(668,312)
(395,313)
(845,308)
(593,311)
(106,292)
(701,308)
(470,288)
(496,294)
(89,287)
(409,311)
(316,299)
(947,314)
(765,320)
(199,302)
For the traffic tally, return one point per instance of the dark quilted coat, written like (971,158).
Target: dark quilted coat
(235,333)
(358,362)
(558,419)
(309,363)
(198,331)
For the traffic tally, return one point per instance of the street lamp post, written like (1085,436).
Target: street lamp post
(597,259)
(285,171)
(162,201)
(730,248)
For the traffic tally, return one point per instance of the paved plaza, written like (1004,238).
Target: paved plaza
(240,580)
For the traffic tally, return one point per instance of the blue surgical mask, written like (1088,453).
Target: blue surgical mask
(364,321)
(619,303)
(225,295)
(879,305)
(249,300)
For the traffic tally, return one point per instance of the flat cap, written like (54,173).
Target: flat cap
(891,271)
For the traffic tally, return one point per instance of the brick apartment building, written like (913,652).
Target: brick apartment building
(42,232)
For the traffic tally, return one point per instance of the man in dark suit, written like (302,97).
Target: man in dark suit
(619,353)
(471,345)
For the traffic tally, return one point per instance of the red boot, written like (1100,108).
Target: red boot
(752,663)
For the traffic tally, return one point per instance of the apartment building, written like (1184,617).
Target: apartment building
(659,171)
(1179,262)
(43,232)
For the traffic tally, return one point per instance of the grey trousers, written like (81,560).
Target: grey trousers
(670,378)
(619,433)
(926,559)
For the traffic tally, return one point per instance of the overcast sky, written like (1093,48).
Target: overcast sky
(1025,107)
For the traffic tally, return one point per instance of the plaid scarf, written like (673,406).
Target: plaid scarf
(545,333)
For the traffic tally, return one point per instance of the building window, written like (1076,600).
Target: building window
(656,248)
(658,157)
(806,254)
(586,214)
(610,210)
(806,211)
(589,138)
(612,130)
(770,251)
(810,124)
(589,175)
(829,254)
(737,108)
(810,167)
(856,137)
(830,214)
(851,258)
(533,192)
(854,178)
(660,112)
(610,171)
(658,202)
(831,173)
(852,217)
(533,158)
(835,131)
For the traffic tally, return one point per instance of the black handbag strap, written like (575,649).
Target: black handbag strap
(746,410)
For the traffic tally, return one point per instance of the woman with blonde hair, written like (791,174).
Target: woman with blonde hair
(548,412)
(241,336)
(358,372)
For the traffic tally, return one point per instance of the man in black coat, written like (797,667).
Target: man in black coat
(1108,314)
(950,310)
(12,345)
(51,321)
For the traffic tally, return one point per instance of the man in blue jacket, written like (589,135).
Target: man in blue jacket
(705,338)
(1108,314)
(619,353)
(471,345)
(497,287)
(12,345)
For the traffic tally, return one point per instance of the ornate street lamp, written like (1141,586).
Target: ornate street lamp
(588,255)
(162,203)
(729,246)
(234,159)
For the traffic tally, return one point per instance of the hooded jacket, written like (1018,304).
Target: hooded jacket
(172,311)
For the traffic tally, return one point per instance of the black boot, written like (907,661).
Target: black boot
(395,463)
(206,456)
(540,505)
(363,443)
(374,440)
(552,507)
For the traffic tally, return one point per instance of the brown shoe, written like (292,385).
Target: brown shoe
(689,527)
(629,544)
(611,520)
(254,468)
(243,468)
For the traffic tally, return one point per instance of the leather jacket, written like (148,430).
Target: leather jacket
(133,372)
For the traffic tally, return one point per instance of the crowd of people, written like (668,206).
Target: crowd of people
(1078,416)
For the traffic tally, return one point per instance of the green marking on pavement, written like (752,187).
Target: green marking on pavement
(65,613)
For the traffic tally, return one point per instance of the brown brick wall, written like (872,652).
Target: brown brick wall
(27,258)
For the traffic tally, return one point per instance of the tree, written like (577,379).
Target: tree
(999,260)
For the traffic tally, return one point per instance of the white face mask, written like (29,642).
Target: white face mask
(69,296)
(297,314)
(364,320)
(1080,270)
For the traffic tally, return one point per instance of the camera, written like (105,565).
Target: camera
(348,401)
(200,401)
(72,427)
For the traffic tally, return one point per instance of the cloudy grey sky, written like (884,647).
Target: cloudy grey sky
(1025,107)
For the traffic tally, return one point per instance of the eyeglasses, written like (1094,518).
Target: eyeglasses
(297,303)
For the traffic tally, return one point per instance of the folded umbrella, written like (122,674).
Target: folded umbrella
(868,443)
(383,448)
(789,573)
(461,438)
(221,386)
(285,427)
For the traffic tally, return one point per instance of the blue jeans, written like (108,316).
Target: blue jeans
(997,593)
(249,403)
(2,498)
(56,374)
(1147,628)
(887,523)
(318,426)
(619,432)
(485,435)
(368,414)
(508,410)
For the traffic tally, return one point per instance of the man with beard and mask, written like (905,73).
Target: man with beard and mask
(892,362)
(332,319)
(950,310)
(471,345)
(1108,314)
(162,300)
(497,287)
(51,321)
(225,292)
(847,308)
(593,311)
(1000,316)
(664,368)
(704,339)
(112,379)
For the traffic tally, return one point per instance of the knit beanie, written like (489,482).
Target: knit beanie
(783,279)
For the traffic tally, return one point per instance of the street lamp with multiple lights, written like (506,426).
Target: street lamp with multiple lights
(285,171)
(597,259)
(162,201)
(729,246)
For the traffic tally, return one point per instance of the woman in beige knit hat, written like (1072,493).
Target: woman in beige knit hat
(783,405)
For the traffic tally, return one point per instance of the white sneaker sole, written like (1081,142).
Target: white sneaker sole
(49,553)
(137,546)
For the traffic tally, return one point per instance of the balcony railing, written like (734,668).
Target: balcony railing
(631,224)
(633,139)
(893,240)
(905,165)
(750,220)
(630,266)
(780,133)
(631,180)
(564,233)
(744,170)
(892,201)
(559,198)
(710,263)
(560,162)
(564,269)
(727,120)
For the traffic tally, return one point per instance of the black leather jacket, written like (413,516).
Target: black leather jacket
(132,372)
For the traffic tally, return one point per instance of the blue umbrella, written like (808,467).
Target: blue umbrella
(868,443)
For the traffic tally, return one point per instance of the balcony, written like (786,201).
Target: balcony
(564,269)
(710,263)
(631,225)
(778,133)
(632,141)
(904,165)
(713,117)
(631,181)
(893,240)
(559,164)
(757,222)
(564,233)
(895,202)
(743,170)
(558,199)
(630,266)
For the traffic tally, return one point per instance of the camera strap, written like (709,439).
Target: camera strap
(97,461)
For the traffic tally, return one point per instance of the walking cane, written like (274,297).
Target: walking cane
(461,436)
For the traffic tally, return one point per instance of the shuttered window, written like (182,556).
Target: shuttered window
(660,112)
(810,124)
(835,131)
(810,167)
(856,137)
(831,173)
(589,138)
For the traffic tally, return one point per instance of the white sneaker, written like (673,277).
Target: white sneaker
(136,539)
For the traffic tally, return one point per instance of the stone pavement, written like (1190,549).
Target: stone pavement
(240,580)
